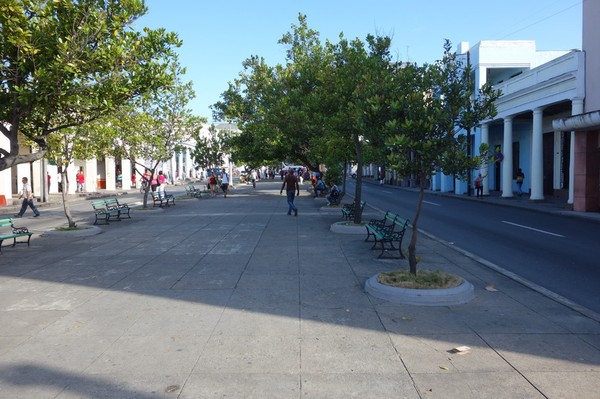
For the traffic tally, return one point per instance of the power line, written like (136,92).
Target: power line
(540,20)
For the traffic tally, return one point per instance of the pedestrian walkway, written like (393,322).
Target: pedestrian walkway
(216,298)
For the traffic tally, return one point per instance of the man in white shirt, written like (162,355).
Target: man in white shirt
(27,199)
(224,183)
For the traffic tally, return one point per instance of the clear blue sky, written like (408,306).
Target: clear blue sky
(218,35)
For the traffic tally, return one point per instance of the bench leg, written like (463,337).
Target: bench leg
(391,248)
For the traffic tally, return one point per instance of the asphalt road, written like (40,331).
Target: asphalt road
(559,253)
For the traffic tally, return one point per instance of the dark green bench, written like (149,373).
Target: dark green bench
(104,212)
(348,209)
(124,209)
(386,231)
(161,198)
(15,232)
(192,191)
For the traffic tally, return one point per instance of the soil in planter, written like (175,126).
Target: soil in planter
(425,279)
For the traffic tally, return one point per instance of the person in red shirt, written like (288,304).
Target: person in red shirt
(212,182)
(80,178)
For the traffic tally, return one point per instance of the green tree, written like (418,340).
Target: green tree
(209,151)
(279,109)
(429,104)
(356,84)
(150,130)
(66,63)
(63,148)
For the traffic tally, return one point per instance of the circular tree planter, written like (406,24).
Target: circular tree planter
(345,228)
(410,296)
(80,232)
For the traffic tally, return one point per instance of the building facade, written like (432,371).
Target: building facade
(585,124)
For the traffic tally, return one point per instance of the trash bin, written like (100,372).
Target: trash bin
(102,183)
(2,200)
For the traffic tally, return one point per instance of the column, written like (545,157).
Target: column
(90,171)
(126,173)
(507,163)
(485,170)
(435,181)
(188,163)
(446,183)
(71,171)
(179,166)
(537,152)
(576,109)
(172,168)
(110,173)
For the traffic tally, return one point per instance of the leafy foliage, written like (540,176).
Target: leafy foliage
(209,151)
(151,129)
(66,63)
(431,102)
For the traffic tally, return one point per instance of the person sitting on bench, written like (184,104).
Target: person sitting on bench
(319,187)
(334,193)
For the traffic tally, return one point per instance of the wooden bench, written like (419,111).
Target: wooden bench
(105,213)
(386,231)
(15,232)
(348,209)
(161,198)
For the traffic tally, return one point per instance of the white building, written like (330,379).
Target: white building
(537,87)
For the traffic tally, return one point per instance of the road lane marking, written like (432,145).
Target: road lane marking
(534,229)
(431,203)
(387,192)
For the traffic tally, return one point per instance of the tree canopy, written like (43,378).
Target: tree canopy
(66,63)
(430,104)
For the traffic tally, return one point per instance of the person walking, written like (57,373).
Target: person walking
(479,185)
(212,185)
(27,196)
(160,182)
(225,183)
(520,178)
(80,179)
(292,187)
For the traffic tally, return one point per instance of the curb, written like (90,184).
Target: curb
(407,296)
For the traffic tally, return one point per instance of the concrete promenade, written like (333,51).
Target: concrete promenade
(232,298)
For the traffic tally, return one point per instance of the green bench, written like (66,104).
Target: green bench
(386,231)
(15,232)
(161,198)
(107,209)
(124,209)
(348,209)
(192,191)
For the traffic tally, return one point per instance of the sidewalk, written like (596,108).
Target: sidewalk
(232,298)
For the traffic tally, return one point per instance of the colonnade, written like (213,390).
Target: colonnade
(537,152)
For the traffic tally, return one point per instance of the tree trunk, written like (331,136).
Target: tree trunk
(412,246)
(358,190)
(146,189)
(65,198)
(344,174)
